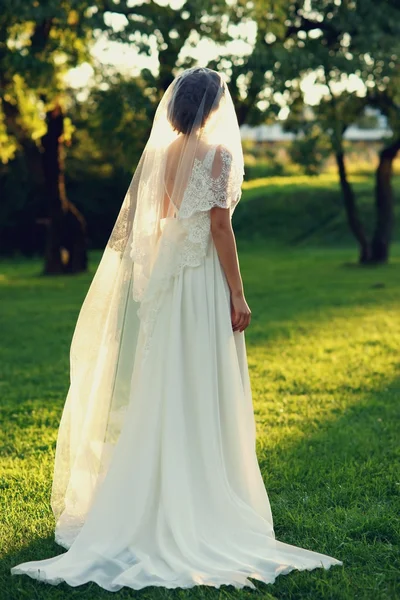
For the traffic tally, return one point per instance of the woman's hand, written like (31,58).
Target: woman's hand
(240,312)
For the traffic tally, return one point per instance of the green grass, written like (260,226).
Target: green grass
(323,353)
(301,210)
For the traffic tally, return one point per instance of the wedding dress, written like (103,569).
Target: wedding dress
(156,476)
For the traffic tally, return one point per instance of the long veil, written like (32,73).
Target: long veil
(194,140)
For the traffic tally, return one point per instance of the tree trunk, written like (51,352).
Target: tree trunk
(353,218)
(384,204)
(66,234)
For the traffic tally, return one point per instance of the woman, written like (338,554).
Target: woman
(156,477)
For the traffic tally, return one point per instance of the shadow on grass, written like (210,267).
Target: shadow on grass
(335,491)
(311,287)
(332,490)
(342,505)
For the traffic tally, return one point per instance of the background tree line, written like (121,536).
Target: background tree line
(66,161)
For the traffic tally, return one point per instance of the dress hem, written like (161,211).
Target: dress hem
(285,570)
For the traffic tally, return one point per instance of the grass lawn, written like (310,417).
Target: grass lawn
(323,353)
(301,210)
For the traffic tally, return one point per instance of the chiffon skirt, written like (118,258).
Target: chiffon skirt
(183,502)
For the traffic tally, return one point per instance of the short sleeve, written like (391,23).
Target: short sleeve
(226,181)
(214,182)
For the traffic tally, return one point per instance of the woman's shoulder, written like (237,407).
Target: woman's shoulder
(221,160)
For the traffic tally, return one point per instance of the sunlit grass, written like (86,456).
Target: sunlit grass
(323,353)
(303,210)
(328,178)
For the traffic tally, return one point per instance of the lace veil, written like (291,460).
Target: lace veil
(192,161)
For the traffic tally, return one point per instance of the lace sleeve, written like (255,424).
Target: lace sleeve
(213,182)
(226,192)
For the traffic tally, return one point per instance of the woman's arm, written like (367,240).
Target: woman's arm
(225,243)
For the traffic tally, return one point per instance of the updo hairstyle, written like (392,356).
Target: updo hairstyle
(191,88)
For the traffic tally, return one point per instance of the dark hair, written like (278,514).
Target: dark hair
(191,88)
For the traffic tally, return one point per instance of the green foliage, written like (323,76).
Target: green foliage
(311,150)
(172,28)
(119,119)
(112,127)
(367,121)
(39,42)
(338,41)
(263,168)
(322,352)
(8,143)
(263,161)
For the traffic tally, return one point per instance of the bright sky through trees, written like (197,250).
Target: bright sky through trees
(126,58)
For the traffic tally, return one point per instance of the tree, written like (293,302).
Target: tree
(38,43)
(340,41)
(172,30)
(337,42)
(386,98)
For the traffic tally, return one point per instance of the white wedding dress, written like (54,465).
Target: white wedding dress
(183,502)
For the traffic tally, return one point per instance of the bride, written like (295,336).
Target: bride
(156,478)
